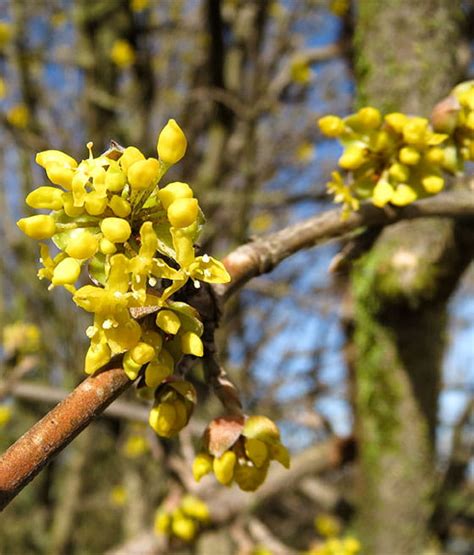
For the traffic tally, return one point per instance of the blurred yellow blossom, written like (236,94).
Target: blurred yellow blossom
(118,496)
(135,446)
(305,152)
(139,5)
(18,115)
(300,72)
(6,33)
(327,525)
(122,53)
(21,337)
(5,415)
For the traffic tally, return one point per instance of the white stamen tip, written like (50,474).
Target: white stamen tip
(197,285)
(205,258)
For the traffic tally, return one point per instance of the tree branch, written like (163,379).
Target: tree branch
(30,453)
(263,254)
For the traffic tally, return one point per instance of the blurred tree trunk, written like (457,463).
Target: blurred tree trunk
(406,61)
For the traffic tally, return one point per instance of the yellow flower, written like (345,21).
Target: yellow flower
(122,53)
(135,446)
(118,496)
(18,116)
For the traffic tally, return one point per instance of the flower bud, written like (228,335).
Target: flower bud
(115,180)
(82,244)
(202,465)
(130,367)
(162,418)
(414,131)
(60,175)
(168,321)
(433,184)
(353,157)
(191,344)
(45,197)
(224,467)
(69,208)
(107,247)
(142,353)
(38,227)
(194,507)
(143,174)
(130,155)
(257,451)
(115,230)
(435,155)
(399,172)
(174,191)
(331,126)
(172,143)
(162,522)
(409,155)
(156,372)
(184,528)
(95,203)
(66,272)
(403,195)
(48,157)
(369,117)
(382,193)
(396,121)
(120,206)
(183,212)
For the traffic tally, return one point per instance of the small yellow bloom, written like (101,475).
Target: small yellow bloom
(118,496)
(202,465)
(130,155)
(331,126)
(18,116)
(122,53)
(5,415)
(45,197)
(433,184)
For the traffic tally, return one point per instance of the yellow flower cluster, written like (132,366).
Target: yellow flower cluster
(108,216)
(240,451)
(21,338)
(184,521)
(397,158)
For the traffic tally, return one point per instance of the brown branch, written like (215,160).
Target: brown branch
(263,254)
(29,454)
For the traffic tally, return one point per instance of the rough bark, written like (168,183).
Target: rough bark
(406,61)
